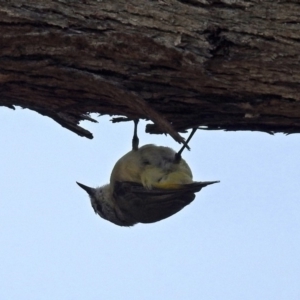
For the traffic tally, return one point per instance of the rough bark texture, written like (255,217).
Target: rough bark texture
(220,64)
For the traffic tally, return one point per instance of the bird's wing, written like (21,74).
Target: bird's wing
(148,206)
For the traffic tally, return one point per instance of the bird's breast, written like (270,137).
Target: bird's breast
(151,166)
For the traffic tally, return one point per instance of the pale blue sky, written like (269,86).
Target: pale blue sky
(240,239)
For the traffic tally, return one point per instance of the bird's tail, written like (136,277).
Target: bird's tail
(169,188)
(189,187)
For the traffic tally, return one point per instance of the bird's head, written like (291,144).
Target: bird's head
(103,204)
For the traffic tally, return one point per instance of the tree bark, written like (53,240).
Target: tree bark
(218,64)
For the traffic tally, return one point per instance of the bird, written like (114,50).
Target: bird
(147,184)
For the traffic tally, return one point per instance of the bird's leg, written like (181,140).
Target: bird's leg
(135,139)
(185,145)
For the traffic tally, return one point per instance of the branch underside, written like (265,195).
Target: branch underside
(231,65)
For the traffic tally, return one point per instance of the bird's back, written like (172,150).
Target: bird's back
(147,206)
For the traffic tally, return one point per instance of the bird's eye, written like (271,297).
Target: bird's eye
(97,208)
(146,162)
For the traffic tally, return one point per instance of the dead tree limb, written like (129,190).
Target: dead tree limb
(219,64)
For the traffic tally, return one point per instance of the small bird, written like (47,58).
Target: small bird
(148,184)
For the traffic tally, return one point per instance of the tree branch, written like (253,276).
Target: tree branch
(218,64)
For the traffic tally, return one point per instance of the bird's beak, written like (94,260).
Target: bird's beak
(89,190)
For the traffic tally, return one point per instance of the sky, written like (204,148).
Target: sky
(239,239)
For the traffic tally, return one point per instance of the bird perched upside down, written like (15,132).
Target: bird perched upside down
(147,184)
